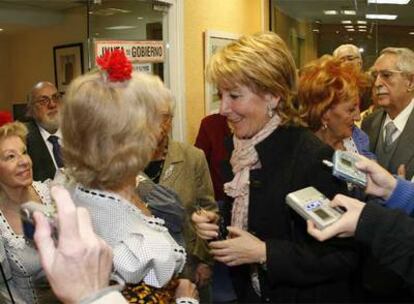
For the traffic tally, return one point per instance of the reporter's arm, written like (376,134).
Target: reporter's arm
(402,197)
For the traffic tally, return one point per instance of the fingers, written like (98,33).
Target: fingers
(42,237)
(67,215)
(207,231)
(320,235)
(204,216)
(85,224)
(401,172)
(235,231)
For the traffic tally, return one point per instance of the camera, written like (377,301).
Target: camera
(26,214)
(344,168)
(311,204)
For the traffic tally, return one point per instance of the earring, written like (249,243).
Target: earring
(324,126)
(270,111)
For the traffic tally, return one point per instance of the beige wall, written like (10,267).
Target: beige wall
(32,55)
(5,77)
(233,16)
(288,29)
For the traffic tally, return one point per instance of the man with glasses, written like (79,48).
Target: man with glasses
(391,128)
(391,133)
(44,138)
(348,53)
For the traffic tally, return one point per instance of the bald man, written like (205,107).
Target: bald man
(44,138)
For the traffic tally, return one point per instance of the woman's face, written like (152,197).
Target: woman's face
(246,112)
(341,118)
(15,163)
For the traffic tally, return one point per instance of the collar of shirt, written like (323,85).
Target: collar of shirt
(45,135)
(401,120)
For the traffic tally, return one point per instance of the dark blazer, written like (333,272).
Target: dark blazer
(43,166)
(298,268)
(404,153)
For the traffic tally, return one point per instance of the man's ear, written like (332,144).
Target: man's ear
(272,100)
(410,84)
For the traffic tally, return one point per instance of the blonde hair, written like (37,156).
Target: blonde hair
(8,130)
(263,63)
(13,129)
(109,129)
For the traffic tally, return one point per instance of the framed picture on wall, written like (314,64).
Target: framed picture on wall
(68,63)
(214,41)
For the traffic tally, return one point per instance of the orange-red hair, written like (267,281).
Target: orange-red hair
(326,82)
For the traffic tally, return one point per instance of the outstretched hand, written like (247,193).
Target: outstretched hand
(346,225)
(380,182)
(80,264)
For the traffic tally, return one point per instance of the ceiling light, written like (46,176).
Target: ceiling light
(348,12)
(120,27)
(346,22)
(362,30)
(315,30)
(411,33)
(330,12)
(362,26)
(140,18)
(348,26)
(361,22)
(1,29)
(381,16)
(401,2)
(361,50)
(350,30)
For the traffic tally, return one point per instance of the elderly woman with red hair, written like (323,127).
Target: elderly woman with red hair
(329,95)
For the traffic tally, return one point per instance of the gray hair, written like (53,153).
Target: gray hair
(349,47)
(405,58)
(31,97)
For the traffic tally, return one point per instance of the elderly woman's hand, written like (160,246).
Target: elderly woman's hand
(241,248)
(205,224)
(80,264)
(346,225)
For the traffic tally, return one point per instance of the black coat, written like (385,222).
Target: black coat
(299,268)
(43,166)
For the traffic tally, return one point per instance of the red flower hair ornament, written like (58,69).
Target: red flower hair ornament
(116,65)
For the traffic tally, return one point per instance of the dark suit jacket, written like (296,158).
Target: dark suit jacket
(404,153)
(43,166)
(299,268)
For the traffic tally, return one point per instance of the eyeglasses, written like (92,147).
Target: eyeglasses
(349,58)
(385,75)
(46,100)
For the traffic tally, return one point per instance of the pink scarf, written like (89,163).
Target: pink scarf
(243,159)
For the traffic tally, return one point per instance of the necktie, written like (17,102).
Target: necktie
(56,150)
(390,129)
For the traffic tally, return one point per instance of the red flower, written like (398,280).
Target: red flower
(5,117)
(116,64)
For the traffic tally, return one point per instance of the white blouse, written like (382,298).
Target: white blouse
(143,249)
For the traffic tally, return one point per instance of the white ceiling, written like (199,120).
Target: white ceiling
(312,10)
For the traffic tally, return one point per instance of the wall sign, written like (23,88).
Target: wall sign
(136,51)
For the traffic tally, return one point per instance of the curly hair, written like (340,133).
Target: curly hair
(109,129)
(263,63)
(325,82)
(13,129)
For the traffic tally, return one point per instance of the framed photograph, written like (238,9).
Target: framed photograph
(214,41)
(68,62)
